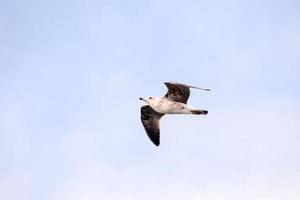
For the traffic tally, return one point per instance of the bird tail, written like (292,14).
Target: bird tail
(199,112)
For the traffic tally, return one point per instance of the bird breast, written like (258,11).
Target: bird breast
(165,106)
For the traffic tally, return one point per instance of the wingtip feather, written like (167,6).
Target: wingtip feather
(206,89)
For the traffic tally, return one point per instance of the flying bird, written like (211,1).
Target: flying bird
(173,102)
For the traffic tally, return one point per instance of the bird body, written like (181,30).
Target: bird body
(174,102)
(164,105)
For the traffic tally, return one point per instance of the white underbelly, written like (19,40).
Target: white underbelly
(170,107)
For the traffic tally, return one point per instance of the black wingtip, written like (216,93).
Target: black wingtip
(155,142)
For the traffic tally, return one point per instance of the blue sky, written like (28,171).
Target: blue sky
(71,73)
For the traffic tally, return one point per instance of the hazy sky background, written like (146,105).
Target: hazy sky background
(71,73)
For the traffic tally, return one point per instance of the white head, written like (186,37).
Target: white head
(150,100)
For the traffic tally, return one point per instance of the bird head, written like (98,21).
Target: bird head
(148,99)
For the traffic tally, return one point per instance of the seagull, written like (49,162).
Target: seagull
(173,102)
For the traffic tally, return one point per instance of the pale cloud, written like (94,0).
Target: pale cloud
(16,186)
(252,188)
(250,155)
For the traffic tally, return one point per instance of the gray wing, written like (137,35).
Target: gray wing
(150,119)
(177,92)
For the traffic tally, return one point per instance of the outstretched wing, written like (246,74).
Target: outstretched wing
(150,119)
(177,92)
